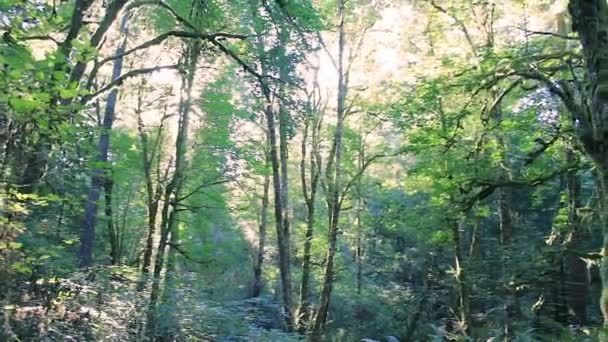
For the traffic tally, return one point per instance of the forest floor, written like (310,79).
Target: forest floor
(106,306)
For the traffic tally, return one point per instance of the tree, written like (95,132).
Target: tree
(589,20)
(99,174)
(172,199)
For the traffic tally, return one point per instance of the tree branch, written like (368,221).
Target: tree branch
(41,37)
(360,172)
(185,255)
(164,5)
(162,37)
(124,77)
(489,186)
(544,33)
(459,22)
(203,185)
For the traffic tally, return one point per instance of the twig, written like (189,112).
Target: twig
(185,255)
(126,76)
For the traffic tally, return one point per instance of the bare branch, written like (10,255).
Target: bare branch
(458,22)
(164,5)
(545,33)
(41,37)
(203,185)
(364,167)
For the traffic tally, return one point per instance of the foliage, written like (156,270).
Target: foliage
(452,138)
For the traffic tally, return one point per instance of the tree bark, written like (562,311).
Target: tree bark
(87,235)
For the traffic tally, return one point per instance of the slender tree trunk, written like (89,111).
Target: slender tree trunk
(278,163)
(87,235)
(335,173)
(603,174)
(282,243)
(258,267)
(158,265)
(285,244)
(577,287)
(461,279)
(169,294)
(505,224)
(462,285)
(476,236)
(359,209)
(169,216)
(304,309)
(112,236)
(153,193)
(359,254)
(412,323)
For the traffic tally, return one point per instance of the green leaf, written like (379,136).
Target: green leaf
(21,268)
(23,105)
(59,75)
(68,93)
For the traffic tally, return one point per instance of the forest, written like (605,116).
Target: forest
(304,170)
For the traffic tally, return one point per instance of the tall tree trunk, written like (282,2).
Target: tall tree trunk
(153,193)
(590,21)
(158,265)
(453,225)
(169,294)
(304,309)
(505,220)
(279,210)
(285,244)
(172,196)
(153,198)
(413,320)
(87,235)
(258,267)
(577,286)
(334,174)
(359,208)
(278,163)
(505,224)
